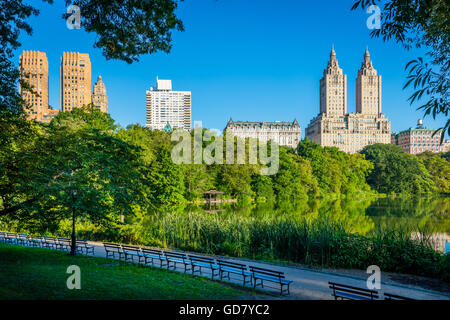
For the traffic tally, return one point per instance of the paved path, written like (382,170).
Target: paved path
(313,285)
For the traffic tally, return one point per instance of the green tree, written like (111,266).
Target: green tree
(396,171)
(439,169)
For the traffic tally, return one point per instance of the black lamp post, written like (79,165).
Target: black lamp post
(73,247)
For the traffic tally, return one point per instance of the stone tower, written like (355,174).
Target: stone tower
(368,88)
(99,97)
(333,88)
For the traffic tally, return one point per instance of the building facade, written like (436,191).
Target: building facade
(99,97)
(350,132)
(33,68)
(419,139)
(75,80)
(165,106)
(283,133)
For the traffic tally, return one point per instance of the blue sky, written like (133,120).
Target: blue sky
(252,60)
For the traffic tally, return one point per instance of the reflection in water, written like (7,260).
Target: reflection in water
(414,215)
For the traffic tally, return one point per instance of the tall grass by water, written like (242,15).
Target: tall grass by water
(319,242)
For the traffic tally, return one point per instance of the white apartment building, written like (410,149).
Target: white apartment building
(166,107)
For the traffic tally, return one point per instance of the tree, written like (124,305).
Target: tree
(396,171)
(421,23)
(82,173)
(439,169)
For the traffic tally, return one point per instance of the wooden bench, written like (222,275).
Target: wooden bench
(227,267)
(112,249)
(64,244)
(132,251)
(84,248)
(344,292)
(22,239)
(204,262)
(262,275)
(10,238)
(390,296)
(174,258)
(49,242)
(151,255)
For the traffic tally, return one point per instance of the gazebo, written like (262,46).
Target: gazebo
(209,195)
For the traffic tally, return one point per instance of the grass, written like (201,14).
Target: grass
(36,273)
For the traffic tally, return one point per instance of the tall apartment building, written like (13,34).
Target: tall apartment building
(99,97)
(419,139)
(168,108)
(33,68)
(350,132)
(283,133)
(75,80)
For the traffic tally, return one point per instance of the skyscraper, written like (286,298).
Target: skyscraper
(165,106)
(99,97)
(33,68)
(75,80)
(333,88)
(368,88)
(349,132)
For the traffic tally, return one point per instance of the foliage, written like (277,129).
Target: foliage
(439,169)
(396,171)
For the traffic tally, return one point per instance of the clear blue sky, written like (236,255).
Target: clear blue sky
(253,60)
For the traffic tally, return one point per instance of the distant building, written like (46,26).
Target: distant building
(447,146)
(350,132)
(99,97)
(75,80)
(283,133)
(33,68)
(167,108)
(419,140)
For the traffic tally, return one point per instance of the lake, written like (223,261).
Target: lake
(419,216)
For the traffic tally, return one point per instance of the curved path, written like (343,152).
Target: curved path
(310,284)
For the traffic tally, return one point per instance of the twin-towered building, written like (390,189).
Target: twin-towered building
(75,91)
(350,132)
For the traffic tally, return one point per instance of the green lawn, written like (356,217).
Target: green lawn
(35,273)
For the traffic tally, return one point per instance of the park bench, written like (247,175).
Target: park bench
(174,258)
(227,267)
(50,242)
(22,239)
(390,296)
(84,248)
(262,275)
(112,249)
(132,251)
(11,238)
(204,262)
(341,291)
(151,254)
(63,244)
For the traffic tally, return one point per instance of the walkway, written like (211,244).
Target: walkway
(313,285)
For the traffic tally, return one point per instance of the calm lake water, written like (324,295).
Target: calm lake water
(415,215)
